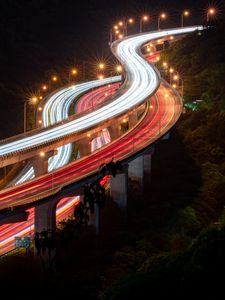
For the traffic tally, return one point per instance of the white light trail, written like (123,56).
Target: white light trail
(142,81)
(55,110)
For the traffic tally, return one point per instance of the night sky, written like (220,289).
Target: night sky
(66,26)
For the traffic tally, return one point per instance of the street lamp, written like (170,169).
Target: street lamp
(101,66)
(129,21)
(115,27)
(171,71)
(210,12)
(161,16)
(54,78)
(177,78)
(44,87)
(184,14)
(143,18)
(119,69)
(33,101)
(73,72)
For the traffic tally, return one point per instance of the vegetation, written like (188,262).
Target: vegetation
(184,254)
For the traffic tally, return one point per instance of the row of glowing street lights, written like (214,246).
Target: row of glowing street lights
(101,66)
(174,77)
(120,29)
(174,81)
(34,100)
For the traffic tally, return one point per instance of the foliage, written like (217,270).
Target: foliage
(191,264)
(111,168)
(196,270)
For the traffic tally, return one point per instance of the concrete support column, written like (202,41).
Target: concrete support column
(40,162)
(94,219)
(45,216)
(136,170)
(147,167)
(118,186)
(45,221)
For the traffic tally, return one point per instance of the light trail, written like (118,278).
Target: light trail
(141,82)
(165,113)
(150,129)
(55,110)
(65,207)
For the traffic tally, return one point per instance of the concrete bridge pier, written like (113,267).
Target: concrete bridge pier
(45,221)
(147,167)
(140,169)
(45,216)
(118,187)
(94,219)
(40,162)
(136,170)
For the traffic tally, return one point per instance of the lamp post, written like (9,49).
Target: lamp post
(161,16)
(101,66)
(171,71)
(126,22)
(54,78)
(116,31)
(143,18)
(73,72)
(110,36)
(84,63)
(33,101)
(83,69)
(210,12)
(115,27)
(178,79)
(184,14)
(182,88)
(24,116)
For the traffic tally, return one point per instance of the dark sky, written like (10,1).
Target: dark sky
(67,26)
(75,23)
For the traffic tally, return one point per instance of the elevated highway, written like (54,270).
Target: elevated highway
(142,81)
(158,114)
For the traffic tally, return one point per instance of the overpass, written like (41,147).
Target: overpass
(160,114)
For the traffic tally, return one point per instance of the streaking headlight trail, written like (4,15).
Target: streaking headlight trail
(142,81)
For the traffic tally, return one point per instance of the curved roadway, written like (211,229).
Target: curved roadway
(163,112)
(141,82)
